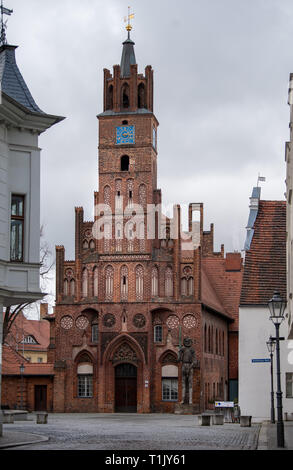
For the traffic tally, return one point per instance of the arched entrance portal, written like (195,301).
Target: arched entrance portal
(125,388)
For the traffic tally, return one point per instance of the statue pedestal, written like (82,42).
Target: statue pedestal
(186,409)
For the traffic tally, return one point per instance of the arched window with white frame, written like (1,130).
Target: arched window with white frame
(124,283)
(155,282)
(109,283)
(139,282)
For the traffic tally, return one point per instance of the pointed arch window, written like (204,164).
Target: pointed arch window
(110,97)
(125,163)
(190,286)
(139,282)
(124,283)
(141,96)
(169,282)
(184,286)
(66,291)
(155,282)
(109,281)
(85,283)
(72,287)
(107,237)
(125,96)
(107,195)
(96,282)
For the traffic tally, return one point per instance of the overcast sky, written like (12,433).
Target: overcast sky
(221,86)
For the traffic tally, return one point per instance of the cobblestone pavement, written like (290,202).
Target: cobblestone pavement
(135,432)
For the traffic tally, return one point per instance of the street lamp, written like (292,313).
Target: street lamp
(271,344)
(21,368)
(277,308)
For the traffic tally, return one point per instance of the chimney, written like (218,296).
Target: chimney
(233,262)
(43,311)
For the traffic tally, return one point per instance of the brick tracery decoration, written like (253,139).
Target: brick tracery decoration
(107,195)
(82,322)
(173,322)
(109,320)
(142,195)
(142,339)
(66,322)
(124,354)
(139,320)
(169,358)
(189,321)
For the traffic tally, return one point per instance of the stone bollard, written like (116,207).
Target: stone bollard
(245,421)
(204,420)
(218,419)
(42,418)
(8,418)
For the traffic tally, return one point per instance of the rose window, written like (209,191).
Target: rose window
(189,321)
(66,323)
(172,322)
(82,322)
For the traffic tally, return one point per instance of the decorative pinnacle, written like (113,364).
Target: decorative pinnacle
(4,11)
(127,20)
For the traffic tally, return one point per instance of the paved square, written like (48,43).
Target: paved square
(135,432)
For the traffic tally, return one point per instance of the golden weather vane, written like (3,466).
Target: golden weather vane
(127,20)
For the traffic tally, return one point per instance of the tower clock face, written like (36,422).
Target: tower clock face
(125,135)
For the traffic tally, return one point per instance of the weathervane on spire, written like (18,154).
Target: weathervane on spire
(4,11)
(127,20)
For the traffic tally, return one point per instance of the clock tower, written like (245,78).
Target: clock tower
(127,150)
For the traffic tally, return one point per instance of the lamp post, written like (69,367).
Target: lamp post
(21,368)
(277,308)
(271,344)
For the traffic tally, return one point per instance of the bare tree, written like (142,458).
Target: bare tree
(30,309)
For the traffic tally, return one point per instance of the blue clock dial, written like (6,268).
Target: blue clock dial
(125,135)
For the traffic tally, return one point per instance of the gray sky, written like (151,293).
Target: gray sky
(221,83)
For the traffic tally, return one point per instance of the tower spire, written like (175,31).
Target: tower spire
(128,54)
(4,11)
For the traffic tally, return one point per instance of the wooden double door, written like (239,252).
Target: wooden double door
(40,397)
(126,388)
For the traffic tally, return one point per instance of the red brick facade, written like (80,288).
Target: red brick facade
(123,287)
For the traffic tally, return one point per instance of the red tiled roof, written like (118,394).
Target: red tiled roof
(265,261)
(224,284)
(40,330)
(11,362)
(208,294)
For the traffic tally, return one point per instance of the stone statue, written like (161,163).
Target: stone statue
(186,355)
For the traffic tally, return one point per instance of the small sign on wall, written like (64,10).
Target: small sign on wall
(255,361)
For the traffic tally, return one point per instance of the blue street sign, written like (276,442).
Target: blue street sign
(260,360)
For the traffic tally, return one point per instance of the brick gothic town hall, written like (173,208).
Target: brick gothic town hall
(136,290)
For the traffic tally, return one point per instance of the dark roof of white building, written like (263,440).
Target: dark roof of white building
(12,82)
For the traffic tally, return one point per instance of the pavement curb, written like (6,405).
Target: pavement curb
(263,437)
(38,439)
